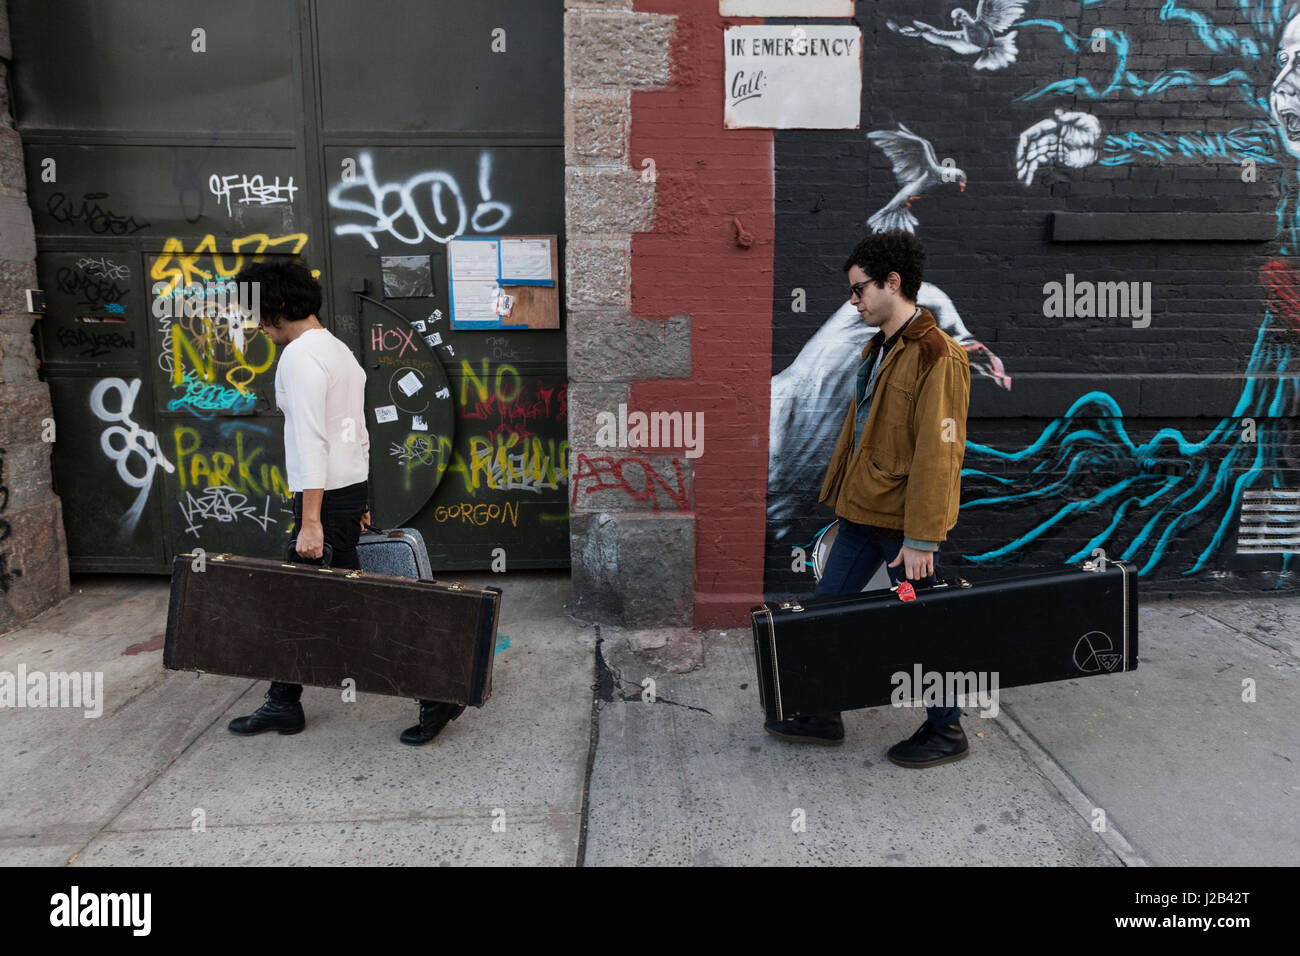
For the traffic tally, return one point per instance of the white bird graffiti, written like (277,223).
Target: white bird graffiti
(977,34)
(916,169)
(808,401)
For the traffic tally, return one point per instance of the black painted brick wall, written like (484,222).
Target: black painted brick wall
(990,250)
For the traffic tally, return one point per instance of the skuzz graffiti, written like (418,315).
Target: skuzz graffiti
(179,268)
(206,399)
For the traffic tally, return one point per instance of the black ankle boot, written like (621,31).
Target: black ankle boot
(284,716)
(931,746)
(434,715)
(825,729)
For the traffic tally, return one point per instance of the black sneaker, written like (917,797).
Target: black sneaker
(825,729)
(931,746)
(287,718)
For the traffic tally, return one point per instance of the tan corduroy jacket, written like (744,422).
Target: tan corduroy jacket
(906,471)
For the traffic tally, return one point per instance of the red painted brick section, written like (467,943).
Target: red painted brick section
(691,263)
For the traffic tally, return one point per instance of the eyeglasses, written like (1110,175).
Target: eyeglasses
(855,290)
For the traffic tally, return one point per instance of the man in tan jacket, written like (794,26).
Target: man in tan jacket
(894,479)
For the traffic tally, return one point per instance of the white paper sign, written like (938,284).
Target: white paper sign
(410,384)
(474,259)
(473,300)
(419,424)
(786,8)
(525,259)
(434,338)
(386,413)
(793,77)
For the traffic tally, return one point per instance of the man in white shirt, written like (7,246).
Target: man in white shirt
(320,387)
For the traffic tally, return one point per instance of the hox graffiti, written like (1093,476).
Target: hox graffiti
(382,339)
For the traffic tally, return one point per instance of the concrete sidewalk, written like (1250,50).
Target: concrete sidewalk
(569,763)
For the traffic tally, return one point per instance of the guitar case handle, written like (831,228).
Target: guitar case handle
(292,557)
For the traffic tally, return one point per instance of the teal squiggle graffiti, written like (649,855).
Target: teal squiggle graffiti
(205,399)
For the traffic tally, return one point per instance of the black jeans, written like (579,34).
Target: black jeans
(854,557)
(341,511)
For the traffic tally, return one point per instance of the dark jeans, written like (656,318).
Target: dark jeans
(340,514)
(853,559)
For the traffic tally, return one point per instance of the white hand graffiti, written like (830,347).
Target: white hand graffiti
(1069,138)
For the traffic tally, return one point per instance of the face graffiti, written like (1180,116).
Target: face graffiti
(1284,98)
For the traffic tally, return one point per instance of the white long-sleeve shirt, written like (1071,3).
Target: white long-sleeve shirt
(321,389)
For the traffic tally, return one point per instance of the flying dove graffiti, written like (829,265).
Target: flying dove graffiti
(982,33)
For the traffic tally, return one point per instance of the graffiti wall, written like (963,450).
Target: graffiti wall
(1106,192)
(146,207)
(469,429)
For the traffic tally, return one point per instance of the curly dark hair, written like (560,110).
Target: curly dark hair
(896,251)
(286,289)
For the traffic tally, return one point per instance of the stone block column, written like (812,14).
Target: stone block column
(631,515)
(33,550)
